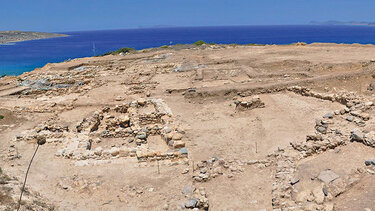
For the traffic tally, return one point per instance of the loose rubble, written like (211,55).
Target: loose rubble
(248,103)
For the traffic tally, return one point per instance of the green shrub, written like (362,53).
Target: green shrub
(1,117)
(200,42)
(121,50)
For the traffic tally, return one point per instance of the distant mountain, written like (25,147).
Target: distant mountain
(18,36)
(362,23)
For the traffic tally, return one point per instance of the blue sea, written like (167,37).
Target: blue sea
(20,57)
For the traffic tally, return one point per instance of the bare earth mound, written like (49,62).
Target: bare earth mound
(195,127)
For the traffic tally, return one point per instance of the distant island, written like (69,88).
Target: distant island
(18,36)
(351,23)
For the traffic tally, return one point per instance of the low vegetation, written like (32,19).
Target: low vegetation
(1,117)
(197,43)
(201,42)
(119,51)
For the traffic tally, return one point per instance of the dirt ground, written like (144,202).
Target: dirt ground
(212,127)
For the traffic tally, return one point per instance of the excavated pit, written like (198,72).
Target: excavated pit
(217,128)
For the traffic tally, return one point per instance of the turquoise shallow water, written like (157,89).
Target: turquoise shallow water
(26,56)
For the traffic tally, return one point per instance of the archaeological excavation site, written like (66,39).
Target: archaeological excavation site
(188,127)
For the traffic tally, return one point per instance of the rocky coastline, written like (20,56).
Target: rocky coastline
(19,36)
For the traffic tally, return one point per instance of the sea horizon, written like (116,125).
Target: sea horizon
(19,57)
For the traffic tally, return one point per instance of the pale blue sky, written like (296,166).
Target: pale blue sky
(77,15)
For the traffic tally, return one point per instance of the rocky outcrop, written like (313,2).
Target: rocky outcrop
(248,103)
